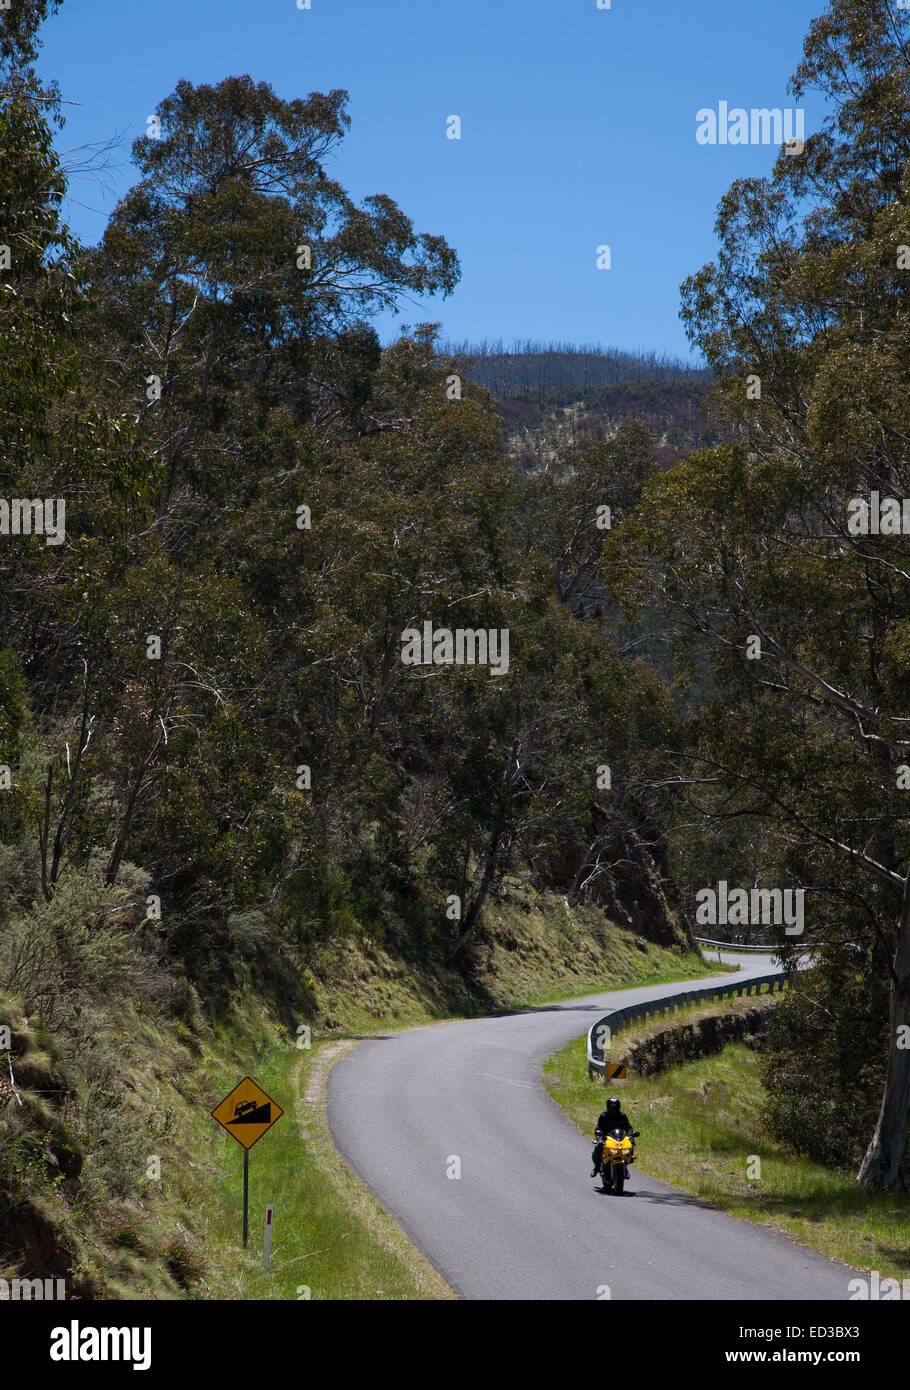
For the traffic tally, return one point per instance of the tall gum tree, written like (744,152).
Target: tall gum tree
(233,254)
(805,319)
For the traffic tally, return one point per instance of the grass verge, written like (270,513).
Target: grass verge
(119,1178)
(701,1131)
(332,1239)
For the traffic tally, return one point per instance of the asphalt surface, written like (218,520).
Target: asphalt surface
(524,1220)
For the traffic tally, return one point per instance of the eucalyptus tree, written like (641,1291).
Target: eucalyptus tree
(772,547)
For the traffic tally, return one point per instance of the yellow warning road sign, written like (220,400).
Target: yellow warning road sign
(247,1112)
(615,1071)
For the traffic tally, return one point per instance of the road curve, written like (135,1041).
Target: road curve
(524,1220)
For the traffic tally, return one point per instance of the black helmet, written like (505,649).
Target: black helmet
(613,1103)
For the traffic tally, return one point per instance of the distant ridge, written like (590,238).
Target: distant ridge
(534,367)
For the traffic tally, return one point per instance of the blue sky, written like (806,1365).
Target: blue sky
(578,129)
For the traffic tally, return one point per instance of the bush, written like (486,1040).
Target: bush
(74,948)
(183,1264)
(824,1061)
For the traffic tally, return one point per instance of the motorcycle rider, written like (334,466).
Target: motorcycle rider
(613,1117)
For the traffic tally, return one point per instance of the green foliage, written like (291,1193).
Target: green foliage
(224,776)
(751,542)
(823,1061)
(185,1265)
(57,956)
(277,647)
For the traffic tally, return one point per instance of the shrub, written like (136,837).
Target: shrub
(183,1264)
(823,1064)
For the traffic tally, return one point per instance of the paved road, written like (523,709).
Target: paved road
(524,1220)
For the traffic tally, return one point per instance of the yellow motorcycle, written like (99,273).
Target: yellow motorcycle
(617,1152)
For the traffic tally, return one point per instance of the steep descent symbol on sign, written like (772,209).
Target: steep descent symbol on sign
(247,1112)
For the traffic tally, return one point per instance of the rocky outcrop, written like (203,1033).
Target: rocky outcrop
(615,869)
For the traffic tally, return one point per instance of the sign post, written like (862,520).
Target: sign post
(246,1194)
(247,1113)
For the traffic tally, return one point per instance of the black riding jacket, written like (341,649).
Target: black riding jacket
(615,1121)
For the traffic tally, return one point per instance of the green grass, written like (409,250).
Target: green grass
(647,970)
(700,1131)
(176,1233)
(331,1239)
(533,949)
(690,1013)
(331,1236)
(179,1235)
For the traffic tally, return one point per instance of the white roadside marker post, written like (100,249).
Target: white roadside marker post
(267,1243)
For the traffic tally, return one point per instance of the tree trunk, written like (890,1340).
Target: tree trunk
(113,865)
(488,873)
(884,1164)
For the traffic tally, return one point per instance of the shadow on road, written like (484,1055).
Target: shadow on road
(667,1199)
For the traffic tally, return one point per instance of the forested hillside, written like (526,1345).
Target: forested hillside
(221,780)
(554,394)
(244,739)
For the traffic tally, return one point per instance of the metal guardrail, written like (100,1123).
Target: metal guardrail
(633,1013)
(768,950)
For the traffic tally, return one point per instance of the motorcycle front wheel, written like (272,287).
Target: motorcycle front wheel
(619,1178)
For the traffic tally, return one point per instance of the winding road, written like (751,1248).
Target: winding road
(524,1220)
